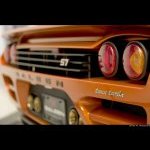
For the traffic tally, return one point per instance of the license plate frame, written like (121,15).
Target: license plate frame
(54,109)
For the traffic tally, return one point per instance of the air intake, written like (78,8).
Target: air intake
(64,62)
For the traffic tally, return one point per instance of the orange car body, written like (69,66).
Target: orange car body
(89,94)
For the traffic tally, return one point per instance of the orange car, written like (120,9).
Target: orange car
(79,74)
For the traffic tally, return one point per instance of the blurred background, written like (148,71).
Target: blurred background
(8,111)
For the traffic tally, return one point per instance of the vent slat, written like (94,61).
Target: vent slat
(51,54)
(49,67)
(18,58)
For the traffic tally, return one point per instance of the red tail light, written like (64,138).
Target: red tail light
(10,54)
(108,59)
(7,55)
(13,53)
(135,59)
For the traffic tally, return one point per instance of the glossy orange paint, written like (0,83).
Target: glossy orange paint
(86,94)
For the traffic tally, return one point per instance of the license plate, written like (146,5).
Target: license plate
(54,109)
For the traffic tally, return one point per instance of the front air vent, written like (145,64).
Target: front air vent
(8,81)
(12,94)
(117,113)
(64,62)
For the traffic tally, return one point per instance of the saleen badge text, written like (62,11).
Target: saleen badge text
(110,93)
